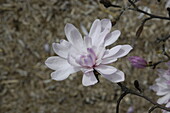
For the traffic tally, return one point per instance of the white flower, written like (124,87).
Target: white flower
(168,106)
(88,54)
(162,86)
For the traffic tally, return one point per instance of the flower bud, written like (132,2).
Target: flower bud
(137,61)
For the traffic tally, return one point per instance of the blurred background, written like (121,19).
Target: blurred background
(29,27)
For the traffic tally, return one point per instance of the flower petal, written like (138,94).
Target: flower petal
(89,79)
(112,37)
(162,92)
(104,69)
(61,49)
(116,77)
(108,60)
(125,49)
(73,36)
(56,63)
(105,29)
(72,60)
(95,30)
(63,73)
(112,51)
(88,42)
(164,99)
(106,25)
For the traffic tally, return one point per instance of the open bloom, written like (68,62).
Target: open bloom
(88,54)
(168,106)
(162,86)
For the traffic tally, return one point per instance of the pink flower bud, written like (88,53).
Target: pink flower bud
(137,61)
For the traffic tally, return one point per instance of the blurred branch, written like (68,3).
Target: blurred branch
(152,108)
(126,91)
(163,39)
(152,16)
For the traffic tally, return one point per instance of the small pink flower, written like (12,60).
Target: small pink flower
(88,54)
(137,62)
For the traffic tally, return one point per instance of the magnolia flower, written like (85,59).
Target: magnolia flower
(88,54)
(162,86)
(168,106)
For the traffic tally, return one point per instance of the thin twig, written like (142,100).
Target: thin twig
(152,108)
(130,91)
(146,13)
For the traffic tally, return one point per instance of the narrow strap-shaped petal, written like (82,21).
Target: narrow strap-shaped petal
(88,42)
(112,37)
(62,49)
(95,31)
(74,36)
(108,60)
(164,99)
(116,77)
(162,92)
(125,49)
(105,69)
(112,51)
(56,63)
(89,79)
(106,25)
(72,60)
(63,73)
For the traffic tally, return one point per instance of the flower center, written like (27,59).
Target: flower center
(87,60)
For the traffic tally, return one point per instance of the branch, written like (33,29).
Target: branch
(152,108)
(130,91)
(146,13)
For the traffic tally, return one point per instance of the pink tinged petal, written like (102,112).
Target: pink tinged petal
(62,49)
(56,63)
(162,92)
(99,54)
(63,73)
(95,31)
(112,51)
(125,49)
(164,99)
(77,40)
(116,77)
(105,69)
(88,42)
(99,51)
(106,25)
(92,54)
(108,60)
(112,37)
(88,61)
(89,79)
(72,60)
(73,35)
(105,29)
(86,70)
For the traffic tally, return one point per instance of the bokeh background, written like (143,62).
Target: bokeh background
(29,27)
